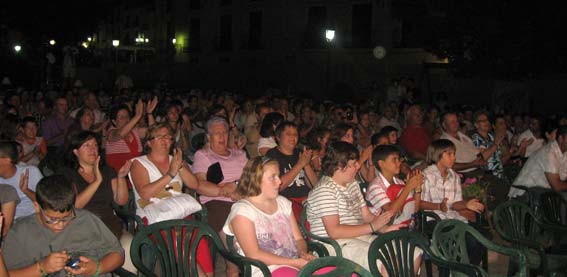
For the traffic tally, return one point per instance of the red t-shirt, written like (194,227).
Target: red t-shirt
(415,139)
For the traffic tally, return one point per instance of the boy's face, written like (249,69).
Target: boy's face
(54,220)
(393,137)
(30,130)
(448,158)
(391,165)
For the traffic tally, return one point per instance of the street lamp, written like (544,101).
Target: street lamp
(329,35)
(89,39)
(174,40)
(115,42)
(18,48)
(52,42)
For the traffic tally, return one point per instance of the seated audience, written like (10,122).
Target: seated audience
(267,139)
(34,148)
(97,185)
(8,201)
(12,173)
(546,167)
(336,207)
(263,222)
(387,192)
(533,136)
(415,138)
(41,244)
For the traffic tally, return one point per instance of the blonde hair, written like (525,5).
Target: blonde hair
(251,179)
(437,148)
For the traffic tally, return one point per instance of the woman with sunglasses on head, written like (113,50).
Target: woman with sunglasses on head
(97,185)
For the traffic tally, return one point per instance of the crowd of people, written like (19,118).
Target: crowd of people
(255,164)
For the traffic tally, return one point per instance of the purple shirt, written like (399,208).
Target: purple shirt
(53,126)
(231,166)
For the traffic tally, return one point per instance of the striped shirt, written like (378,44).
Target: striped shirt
(435,189)
(328,198)
(121,146)
(377,195)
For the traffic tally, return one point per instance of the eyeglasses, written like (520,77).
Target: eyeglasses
(164,137)
(53,221)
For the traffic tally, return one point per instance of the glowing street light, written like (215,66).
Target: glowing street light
(115,42)
(174,41)
(18,48)
(85,44)
(89,39)
(329,34)
(52,42)
(147,40)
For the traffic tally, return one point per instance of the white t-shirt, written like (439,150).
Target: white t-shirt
(266,142)
(25,207)
(547,159)
(273,231)
(532,148)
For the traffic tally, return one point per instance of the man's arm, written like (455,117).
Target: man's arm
(555,182)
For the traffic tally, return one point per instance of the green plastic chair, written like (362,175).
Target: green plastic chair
(517,223)
(449,243)
(343,268)
(551,204)
(396,252)
(316,242)
(127,213)
(153,252)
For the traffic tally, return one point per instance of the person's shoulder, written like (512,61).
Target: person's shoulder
(32,169)
(23,224)
(272,153)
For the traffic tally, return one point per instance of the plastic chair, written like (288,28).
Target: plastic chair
(449,243)
(164,249)
(343,267)
(426,231)
(551,205)
(316,242)
(517,223)
(396,252)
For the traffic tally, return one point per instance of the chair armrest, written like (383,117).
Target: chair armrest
(245,263)
(318,248)
(123,272)
(469,270)
(327,240)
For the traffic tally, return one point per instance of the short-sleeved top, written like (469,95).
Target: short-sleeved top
(29,241)
(298,187)
(329,198)
(101,201)
(548,159)
(231,166)
(8,194)
(29,147)
(377,195)
(435,190)
(532,148)
(273,231)
(266,143)
(415,139)
(25,207)
(494,161)
(466,151)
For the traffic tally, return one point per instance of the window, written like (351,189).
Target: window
(255,31)
(225,32)
(361,26)
(314,33)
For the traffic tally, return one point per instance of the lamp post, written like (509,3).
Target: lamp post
(329,36)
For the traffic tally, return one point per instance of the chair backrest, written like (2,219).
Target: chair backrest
(551,205)
(337,266)
(169,248)
(515,220)
(396,251)
(449,240)
(127,214)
